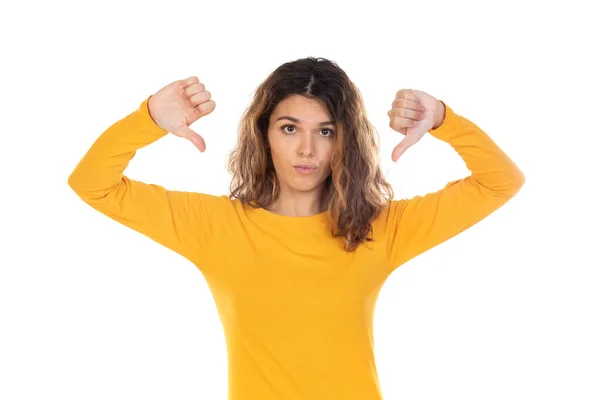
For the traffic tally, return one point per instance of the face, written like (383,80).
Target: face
(300,132)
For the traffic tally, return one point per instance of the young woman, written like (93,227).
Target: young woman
(296,254)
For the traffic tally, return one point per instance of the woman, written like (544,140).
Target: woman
(296,255)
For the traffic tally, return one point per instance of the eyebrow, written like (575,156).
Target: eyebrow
(296,120)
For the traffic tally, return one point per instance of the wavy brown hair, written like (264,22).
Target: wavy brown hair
(356,188)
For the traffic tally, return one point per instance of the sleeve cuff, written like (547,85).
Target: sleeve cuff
(147,122)
(451,125)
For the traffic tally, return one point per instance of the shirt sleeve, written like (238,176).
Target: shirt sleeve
(416,225)
(176,219)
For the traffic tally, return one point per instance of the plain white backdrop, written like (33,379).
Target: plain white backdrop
(509,309)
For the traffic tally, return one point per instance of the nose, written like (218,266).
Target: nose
(306,145)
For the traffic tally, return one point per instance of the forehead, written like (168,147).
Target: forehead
(302,107)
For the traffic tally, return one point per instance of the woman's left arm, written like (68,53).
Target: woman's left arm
(422,222)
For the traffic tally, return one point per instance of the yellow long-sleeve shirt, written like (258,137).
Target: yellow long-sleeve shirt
(296,309)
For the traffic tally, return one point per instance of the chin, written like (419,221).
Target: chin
(306,184)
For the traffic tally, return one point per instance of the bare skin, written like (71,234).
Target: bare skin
(307,140)
(303,142)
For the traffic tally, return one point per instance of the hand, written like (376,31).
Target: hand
(413,114)
(176,106)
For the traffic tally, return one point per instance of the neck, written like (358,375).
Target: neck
(299,205)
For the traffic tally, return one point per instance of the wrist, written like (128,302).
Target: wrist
(150,109)
(440,115)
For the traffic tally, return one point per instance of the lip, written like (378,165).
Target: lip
(304,170)
(312,166)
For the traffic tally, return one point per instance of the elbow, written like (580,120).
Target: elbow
(515,185)
(519,181)
(73,182)
(78,187)
(86,192)
(508,188)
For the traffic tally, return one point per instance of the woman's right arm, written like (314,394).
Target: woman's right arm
(176,219)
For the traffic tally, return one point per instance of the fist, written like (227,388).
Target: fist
(413,114)
(179,104)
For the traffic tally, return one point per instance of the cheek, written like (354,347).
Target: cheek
(280,159)
(329,159)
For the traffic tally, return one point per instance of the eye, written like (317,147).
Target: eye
(330,132)
(284,128)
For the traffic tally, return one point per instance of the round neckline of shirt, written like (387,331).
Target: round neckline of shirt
(292,219)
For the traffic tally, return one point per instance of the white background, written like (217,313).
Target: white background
(509,309)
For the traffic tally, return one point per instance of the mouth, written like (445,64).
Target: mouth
(304,169)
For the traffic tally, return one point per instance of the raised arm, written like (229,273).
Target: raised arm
(422,222)
(176,219)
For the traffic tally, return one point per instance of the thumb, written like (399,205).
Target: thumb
(196,139)
(401,148)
